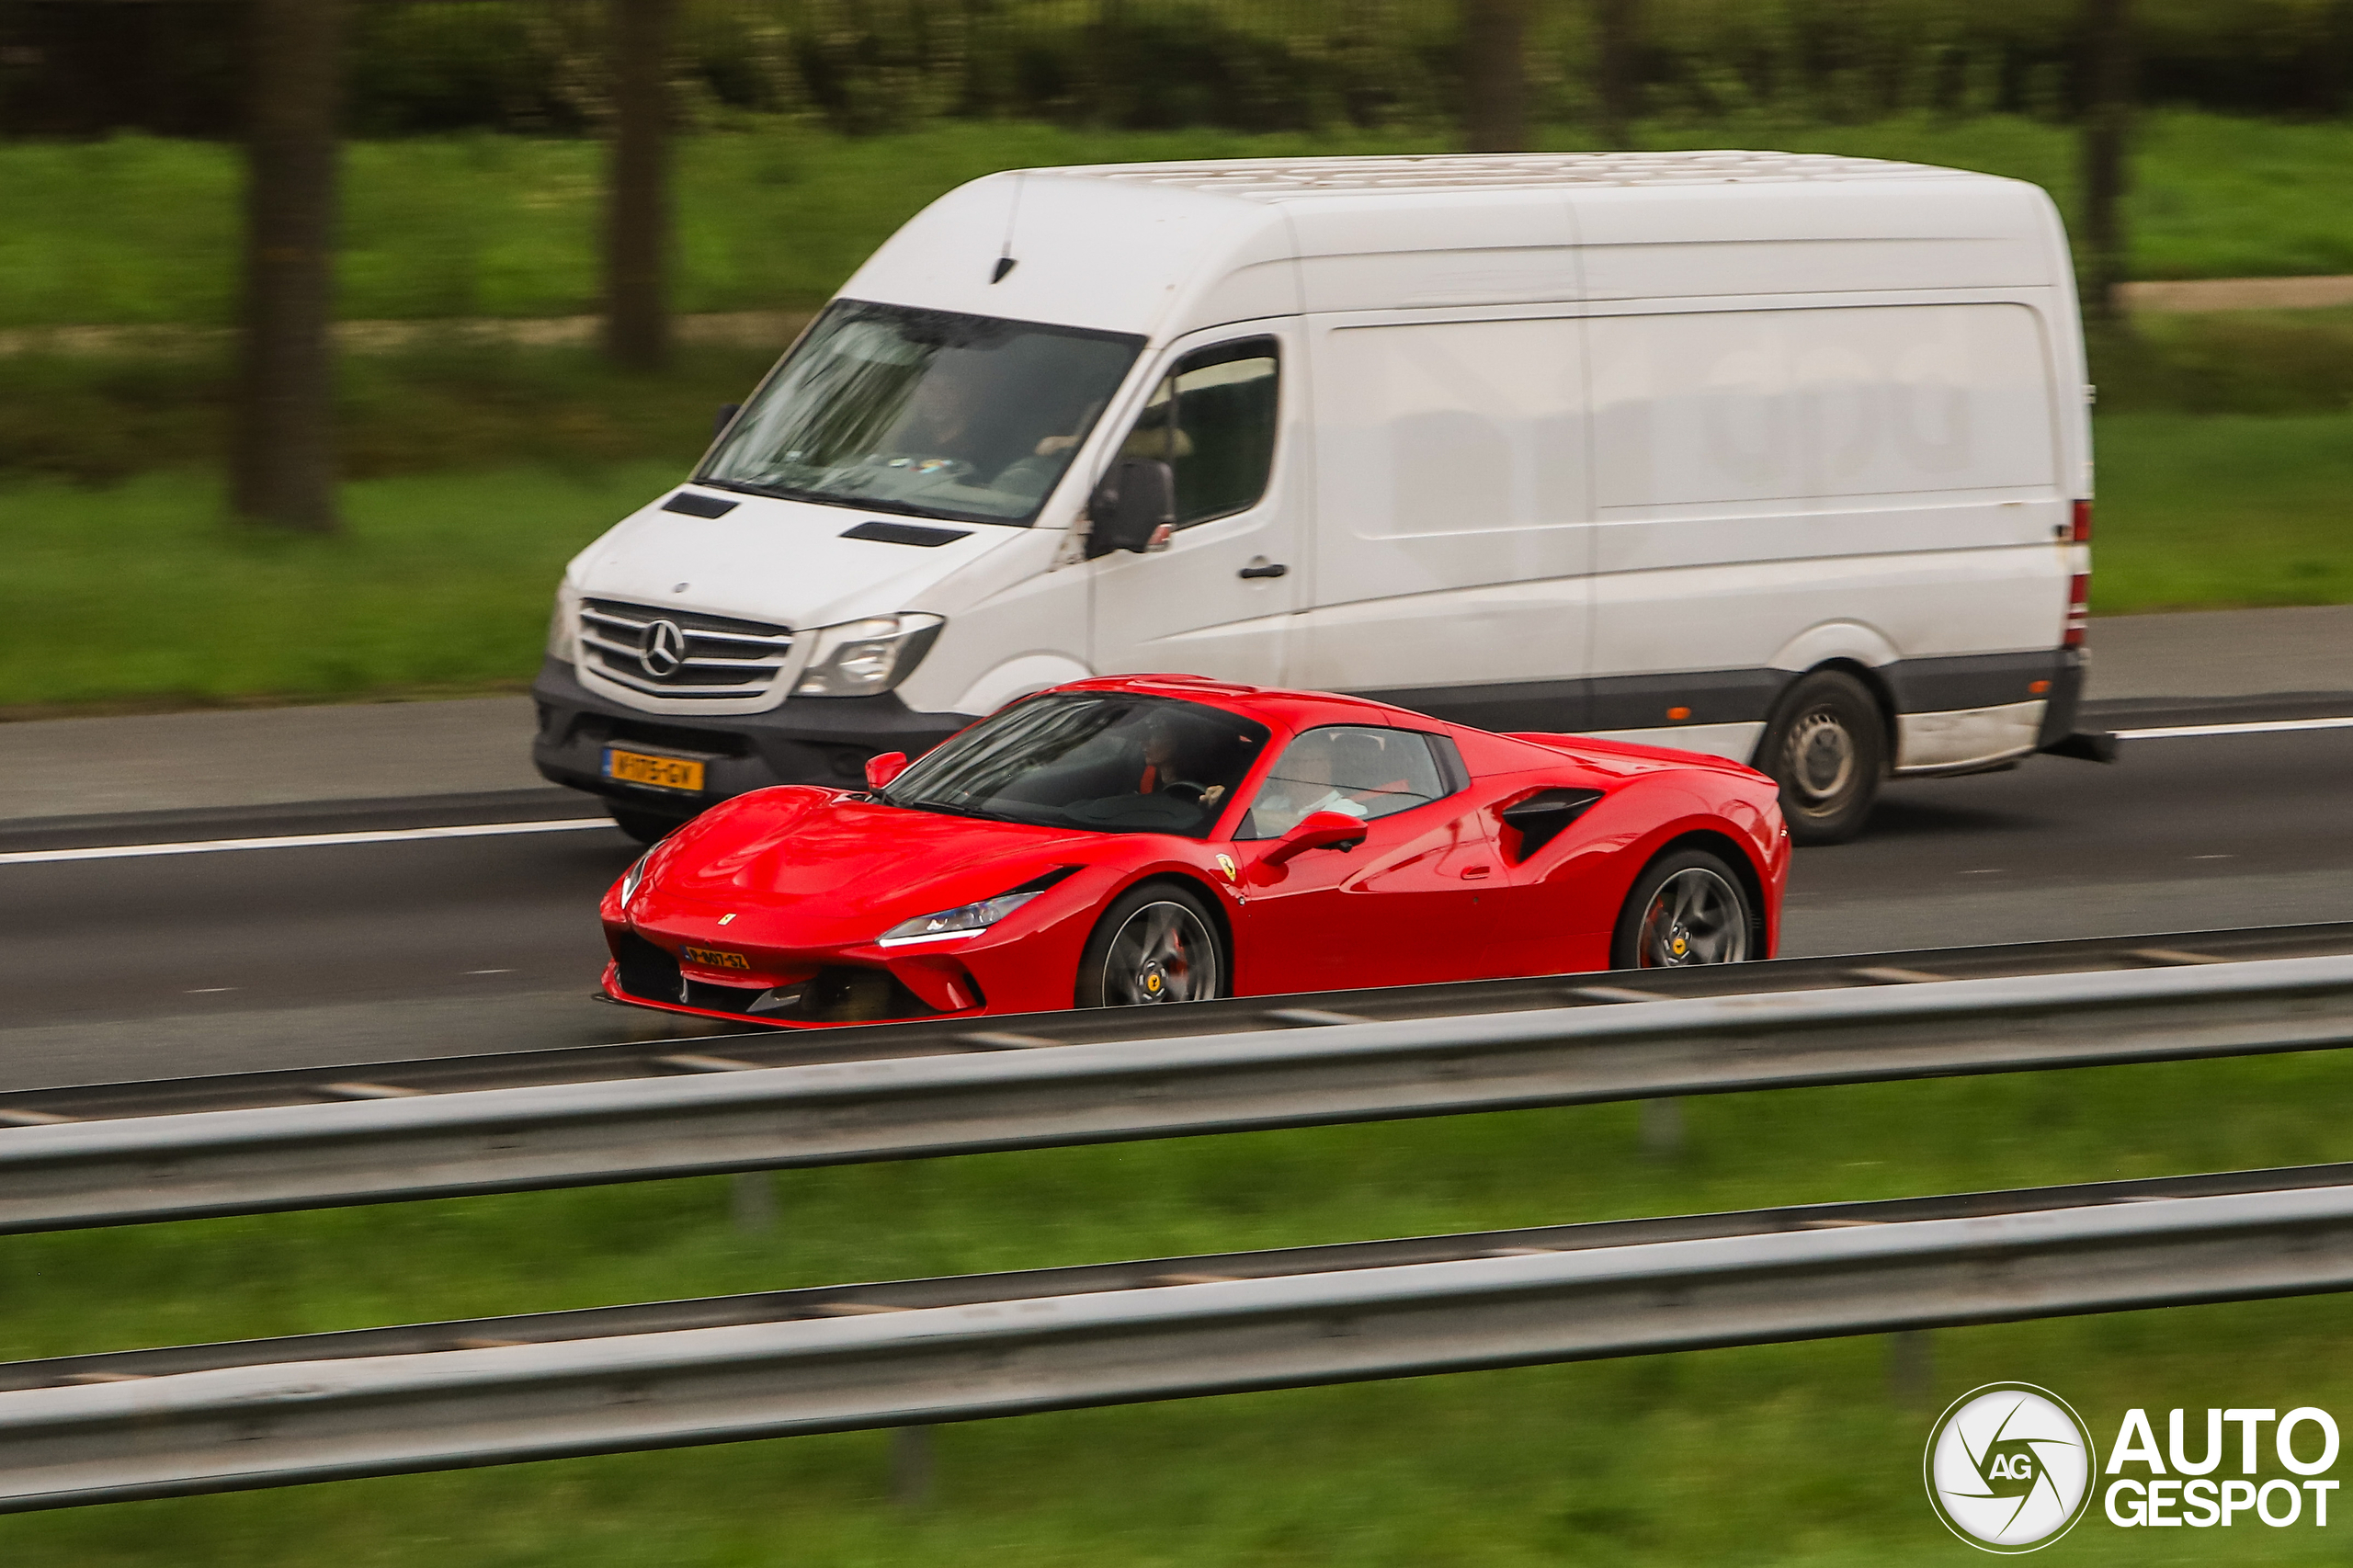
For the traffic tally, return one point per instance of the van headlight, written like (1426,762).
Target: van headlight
(864,658)
(563,625)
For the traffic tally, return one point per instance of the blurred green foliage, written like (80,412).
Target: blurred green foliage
(1784,1455)
(538,67)
(143,231)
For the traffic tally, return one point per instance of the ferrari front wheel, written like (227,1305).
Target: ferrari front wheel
(1156,944)
(1685,908)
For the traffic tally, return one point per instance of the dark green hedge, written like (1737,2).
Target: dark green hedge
(86,67)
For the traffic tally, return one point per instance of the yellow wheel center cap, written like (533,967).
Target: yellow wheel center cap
(1151,982)
(1681,945)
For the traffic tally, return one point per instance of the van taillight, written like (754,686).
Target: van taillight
(2079,607)
(2082,533)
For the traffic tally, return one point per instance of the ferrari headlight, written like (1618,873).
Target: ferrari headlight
(632,877)
(563,625)
(864,658)
(961,921)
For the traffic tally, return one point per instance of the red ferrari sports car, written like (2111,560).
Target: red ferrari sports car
(1165,838)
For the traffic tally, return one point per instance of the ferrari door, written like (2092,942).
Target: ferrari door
(1406,906)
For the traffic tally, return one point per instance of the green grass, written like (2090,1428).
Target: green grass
(1771,1455)
(2231,509)
(137,229)
(145,591)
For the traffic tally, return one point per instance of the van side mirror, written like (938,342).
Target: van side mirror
(727,413)
(1134,509)
(881,770)
(1317,830)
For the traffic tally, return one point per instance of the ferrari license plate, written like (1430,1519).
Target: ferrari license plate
(682,773)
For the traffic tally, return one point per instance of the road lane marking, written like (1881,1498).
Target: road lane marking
(301,840)
(2258,727)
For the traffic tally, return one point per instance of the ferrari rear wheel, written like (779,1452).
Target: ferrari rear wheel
(1687,908)
(1156,944)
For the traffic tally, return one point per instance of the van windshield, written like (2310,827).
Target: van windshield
(928,413)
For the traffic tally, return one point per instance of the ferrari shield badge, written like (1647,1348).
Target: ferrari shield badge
(1225,864)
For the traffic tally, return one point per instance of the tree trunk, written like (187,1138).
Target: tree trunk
(637,216)
(1618,88)
(282,453)
(1495,76)
(2107,111)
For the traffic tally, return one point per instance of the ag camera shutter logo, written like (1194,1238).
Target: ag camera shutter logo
(2010,1466)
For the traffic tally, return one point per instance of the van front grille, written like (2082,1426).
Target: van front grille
(681,652)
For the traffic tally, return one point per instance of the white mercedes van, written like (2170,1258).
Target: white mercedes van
(1780,457)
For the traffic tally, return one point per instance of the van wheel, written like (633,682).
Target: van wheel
(1156,944)
(646,827)
(1685,908)
(1828,752)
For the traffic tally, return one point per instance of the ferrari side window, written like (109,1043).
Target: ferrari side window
(1362,770)
(1212,420)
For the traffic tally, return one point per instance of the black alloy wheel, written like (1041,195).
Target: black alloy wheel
(1685,908)
(1827,750)
(1156,944)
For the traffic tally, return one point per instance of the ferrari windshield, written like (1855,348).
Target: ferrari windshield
(928,413)
(1112,762)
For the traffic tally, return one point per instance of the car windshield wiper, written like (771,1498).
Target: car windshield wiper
(943,809)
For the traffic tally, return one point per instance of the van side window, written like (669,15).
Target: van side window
(1212,420)
(1364,770)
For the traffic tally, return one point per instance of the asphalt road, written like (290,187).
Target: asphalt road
(315,956)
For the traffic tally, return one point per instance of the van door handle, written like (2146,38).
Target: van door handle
(1261,567)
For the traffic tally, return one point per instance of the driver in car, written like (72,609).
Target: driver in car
(1167,768)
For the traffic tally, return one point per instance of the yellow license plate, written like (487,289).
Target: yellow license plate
(657,772)
(714,957)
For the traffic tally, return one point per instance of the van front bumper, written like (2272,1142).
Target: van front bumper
(812,740)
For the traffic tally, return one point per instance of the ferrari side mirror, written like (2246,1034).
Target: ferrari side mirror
(1317,830)
(881,770)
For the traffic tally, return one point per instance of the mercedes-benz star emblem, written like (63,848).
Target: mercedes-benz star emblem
(663,651)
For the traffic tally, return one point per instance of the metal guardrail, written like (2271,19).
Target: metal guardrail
(311,1409)
(317,1155)
(671,1058)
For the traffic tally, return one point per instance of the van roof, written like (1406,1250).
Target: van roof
(1280,179)
(1164,249)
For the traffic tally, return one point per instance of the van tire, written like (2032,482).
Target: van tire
(1121,964)
(1828,749)
(1725,925)
(646,827)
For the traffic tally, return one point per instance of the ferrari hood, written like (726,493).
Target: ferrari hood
(803,864)
(787,561)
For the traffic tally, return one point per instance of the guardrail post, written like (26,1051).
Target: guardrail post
(1662,1128)
(911,1466)
(752,1202)
(1910,1368)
